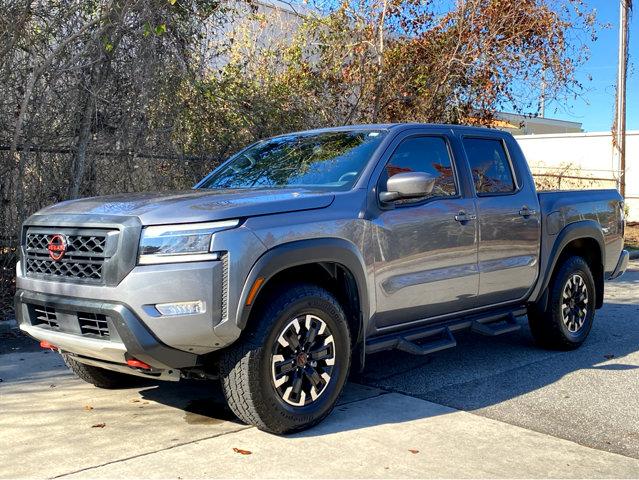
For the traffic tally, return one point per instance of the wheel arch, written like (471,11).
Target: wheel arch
(585,239)
(332,262)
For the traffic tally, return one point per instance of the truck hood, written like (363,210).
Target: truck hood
(195,205)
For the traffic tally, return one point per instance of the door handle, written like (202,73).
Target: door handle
(527,212)
(463,217)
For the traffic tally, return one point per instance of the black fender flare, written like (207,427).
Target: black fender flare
(302,252)
(573,231)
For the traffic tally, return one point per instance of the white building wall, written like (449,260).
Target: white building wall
(589,155)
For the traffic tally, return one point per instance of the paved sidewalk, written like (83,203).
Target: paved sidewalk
(386,436)
(390,435)
(51,425)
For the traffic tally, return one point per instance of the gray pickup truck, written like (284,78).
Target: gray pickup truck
(303,253)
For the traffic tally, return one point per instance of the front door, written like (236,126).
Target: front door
(509,225)
(426,248)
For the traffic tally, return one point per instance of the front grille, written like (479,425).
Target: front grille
(83,259)
(93,244)
(65,268)
(45,316)
(93,324)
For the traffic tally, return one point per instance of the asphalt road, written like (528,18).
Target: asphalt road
(589,396)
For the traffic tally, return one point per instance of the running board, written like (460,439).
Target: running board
(445,341)
(416,341)
(508,325)
(426,339)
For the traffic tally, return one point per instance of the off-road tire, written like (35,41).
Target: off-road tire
(246,369)
(99,377)
(547,325)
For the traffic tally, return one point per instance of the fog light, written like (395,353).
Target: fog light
(181,308)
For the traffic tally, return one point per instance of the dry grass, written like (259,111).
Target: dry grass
(632,236)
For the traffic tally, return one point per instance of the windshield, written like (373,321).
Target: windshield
(331,160)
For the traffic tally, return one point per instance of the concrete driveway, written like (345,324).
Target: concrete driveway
(494,407)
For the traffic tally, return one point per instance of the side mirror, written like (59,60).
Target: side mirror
(408,185)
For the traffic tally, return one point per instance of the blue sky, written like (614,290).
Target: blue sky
(595,106)
(595,111)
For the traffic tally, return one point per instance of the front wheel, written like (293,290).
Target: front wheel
(566,321)
(288,371)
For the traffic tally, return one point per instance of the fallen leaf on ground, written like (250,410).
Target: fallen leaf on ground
(135,400)
(241,452)
(412,450)
(99,425)
(88,407)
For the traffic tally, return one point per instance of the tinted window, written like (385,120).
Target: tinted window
(424,154)
(331,160)
(490,166)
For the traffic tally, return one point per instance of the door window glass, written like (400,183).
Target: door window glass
(424,154)
(490,166)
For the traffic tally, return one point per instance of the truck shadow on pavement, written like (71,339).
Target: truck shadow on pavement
(481,373)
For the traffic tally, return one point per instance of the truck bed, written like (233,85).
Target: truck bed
(560,208)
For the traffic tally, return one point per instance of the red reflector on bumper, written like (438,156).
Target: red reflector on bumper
(45,344)
(135,363)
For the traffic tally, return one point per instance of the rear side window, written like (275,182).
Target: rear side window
(424,154)
(490,166)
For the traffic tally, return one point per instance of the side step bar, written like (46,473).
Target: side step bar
(509,324)
(434,338)
(445,341)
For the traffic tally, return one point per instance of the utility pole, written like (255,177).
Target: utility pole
(542,97)
(620,120)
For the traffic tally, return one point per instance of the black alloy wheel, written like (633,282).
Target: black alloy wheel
(302,360)
(574,303)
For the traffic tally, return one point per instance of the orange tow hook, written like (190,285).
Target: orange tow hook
(45,344)
(135,363)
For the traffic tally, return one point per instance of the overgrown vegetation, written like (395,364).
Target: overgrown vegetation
(632,236)
(102,96)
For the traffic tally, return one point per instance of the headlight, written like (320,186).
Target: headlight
(190,242)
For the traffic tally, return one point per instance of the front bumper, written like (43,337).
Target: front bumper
(127,336)
(622,265)
(146,286)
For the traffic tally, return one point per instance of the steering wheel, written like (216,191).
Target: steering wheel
(345,176)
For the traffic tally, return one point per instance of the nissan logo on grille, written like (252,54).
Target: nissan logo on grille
(57,247)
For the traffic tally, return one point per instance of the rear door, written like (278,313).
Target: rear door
(508,218)
(426,248)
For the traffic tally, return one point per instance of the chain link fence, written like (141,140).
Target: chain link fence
(45,180)
(8,259)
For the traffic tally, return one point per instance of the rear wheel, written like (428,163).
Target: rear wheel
(287,372)
(566,321)
(99,376)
